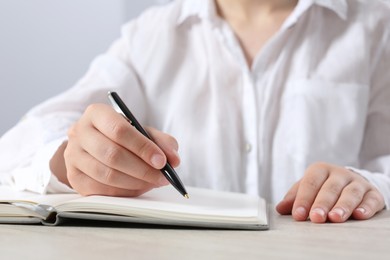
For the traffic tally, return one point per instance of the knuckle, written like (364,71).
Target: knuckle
(348,206)
(71,177)
(109,175)
(118,129)
(67,156)
(356,191)
(75,178)
(146,149)
(91,108)
(310,183)
(171,140)
(112,156)
(334,189)
(318,165)
(318,168)
(72,131)
(376,197)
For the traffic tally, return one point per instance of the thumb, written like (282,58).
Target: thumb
(285,206)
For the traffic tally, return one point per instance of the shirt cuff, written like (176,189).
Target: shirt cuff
(39,178)
(379,180)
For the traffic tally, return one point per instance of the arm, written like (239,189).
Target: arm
(334,193)
(27,148)
(375,152)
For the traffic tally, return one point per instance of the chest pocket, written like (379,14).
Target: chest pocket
(321,121)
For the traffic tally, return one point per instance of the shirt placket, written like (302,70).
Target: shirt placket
(268,80)
(258,102)
(250,113)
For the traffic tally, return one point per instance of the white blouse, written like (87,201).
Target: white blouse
(318,91)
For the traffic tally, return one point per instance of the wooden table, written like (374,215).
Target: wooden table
(286,239)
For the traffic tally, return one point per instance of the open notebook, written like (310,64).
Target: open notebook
(163,206)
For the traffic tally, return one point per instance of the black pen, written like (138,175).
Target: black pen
(168,170)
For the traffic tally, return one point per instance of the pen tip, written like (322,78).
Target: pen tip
(186,196)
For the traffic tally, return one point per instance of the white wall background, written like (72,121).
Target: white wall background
(47,45)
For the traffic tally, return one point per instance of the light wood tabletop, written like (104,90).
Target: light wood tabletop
(286,239)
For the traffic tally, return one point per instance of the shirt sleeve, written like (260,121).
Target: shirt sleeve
(26,149)
(375,152)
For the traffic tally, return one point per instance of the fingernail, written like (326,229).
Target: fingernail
(339,211)
(361,210)
(157,161)
(301,211)
(319,211)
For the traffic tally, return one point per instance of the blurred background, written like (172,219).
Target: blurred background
(47,45)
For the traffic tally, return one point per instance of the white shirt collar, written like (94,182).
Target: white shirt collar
(205,9)
(340,7)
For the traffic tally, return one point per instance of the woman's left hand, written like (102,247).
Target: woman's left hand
(331,193)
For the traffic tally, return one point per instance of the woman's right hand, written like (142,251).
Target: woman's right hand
(106,155)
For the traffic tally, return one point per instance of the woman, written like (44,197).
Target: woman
(271,97)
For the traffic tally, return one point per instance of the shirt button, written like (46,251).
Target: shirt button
(248,148)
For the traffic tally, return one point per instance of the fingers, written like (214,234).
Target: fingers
(285,206)
(107,155)
(309,187)
(372,202)
(86,185)
(114,127)
(350,197)
(331,193)
(113,156)
(327,197)
(88,165)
